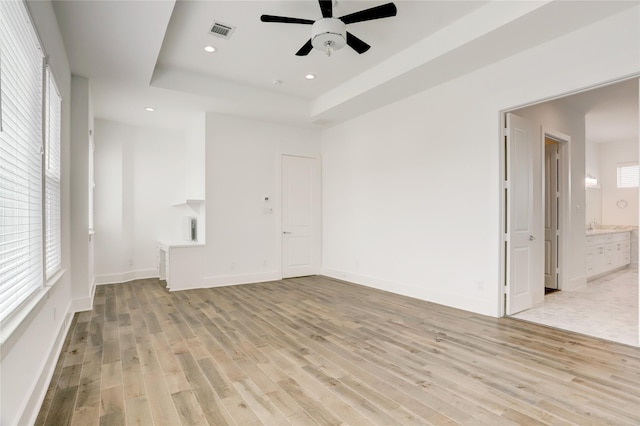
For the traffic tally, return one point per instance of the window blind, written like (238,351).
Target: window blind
(628,175)
(21,59)
(52,241)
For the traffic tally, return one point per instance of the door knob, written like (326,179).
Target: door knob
(531,238)
(285,232)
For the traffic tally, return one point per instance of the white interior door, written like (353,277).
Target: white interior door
(521,141)
(551,208)
(300,216)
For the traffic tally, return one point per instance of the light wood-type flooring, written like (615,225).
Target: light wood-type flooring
(314,350)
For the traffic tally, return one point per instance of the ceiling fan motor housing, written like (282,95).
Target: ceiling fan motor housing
(329,33)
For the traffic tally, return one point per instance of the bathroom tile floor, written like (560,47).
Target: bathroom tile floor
(606,307)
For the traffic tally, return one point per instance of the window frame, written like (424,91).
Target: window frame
(52,176)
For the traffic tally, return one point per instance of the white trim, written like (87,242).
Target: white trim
(565,202)
(21,318)
(84,303)
(126,276)
(32,405)
(576,283)
(504,187)
(470,304)
(227,280)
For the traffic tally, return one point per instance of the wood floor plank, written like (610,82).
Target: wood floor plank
(189,408)
(112,408)
(202,389)
(162,407)
(111,375)
(87,416)
(138,412)
(61,409)
(319,351)
(260,404)
(89,387)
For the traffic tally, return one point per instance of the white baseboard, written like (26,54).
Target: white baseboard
(32,408)
(126,276)
(576,283)
(227,280)
(84,303)
(480,306)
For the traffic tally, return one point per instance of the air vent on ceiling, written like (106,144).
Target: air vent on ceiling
(219,29)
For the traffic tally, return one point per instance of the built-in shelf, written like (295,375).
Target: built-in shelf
(189,202)
(193,203)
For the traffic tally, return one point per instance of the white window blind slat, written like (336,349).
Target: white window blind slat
(21,232)
(628,175)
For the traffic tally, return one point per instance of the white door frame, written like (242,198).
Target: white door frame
(564,178)
(565,215)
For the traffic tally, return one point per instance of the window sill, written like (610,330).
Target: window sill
(15,324)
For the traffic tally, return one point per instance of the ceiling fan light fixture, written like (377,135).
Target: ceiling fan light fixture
(329,35)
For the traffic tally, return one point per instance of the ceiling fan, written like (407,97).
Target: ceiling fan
(330,34)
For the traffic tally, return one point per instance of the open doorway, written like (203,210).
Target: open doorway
(605,304)
(538,202)
(555,178)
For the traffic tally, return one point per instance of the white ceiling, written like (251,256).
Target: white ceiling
(258,53)
(150,53)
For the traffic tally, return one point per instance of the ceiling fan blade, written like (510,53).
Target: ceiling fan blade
(285,20)
(356,44)
(326,6)
(304,50)
(382,11)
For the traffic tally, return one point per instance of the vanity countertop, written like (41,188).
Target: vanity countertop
(616,230)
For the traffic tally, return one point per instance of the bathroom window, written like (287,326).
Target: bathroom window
(628,175)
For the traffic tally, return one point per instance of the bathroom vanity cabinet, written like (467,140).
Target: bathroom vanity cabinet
(607,250)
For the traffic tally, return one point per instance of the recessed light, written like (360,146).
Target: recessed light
(149,109)
(209,49)
(310,76)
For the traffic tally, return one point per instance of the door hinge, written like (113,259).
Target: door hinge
(505,132)
(506,237)
(505,289)
(506,185)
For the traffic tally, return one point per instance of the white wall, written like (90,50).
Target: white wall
(28,356)
(411,192)
(611,154)
(591,159)
(139,175)
(593,201)
(194,174)
(194,159)
(242,167)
